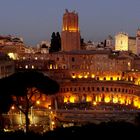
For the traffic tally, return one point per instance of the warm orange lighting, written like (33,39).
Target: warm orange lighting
(115,100)
(101,78)
(73,76)
(66,99)
(72,99)
(33,66)
(73,29)
(12,56)
(92,76)
(12,107)
(85,76)
(107,99)
(94,103)
(53,123)
(50,66)
(80,76)
(98,98)
(49,107)
(36,58)
(107,78)
(122,100)
(26,66)
(56,66)
(38,102)
(89,99)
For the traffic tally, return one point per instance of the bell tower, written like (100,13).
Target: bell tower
(70,36)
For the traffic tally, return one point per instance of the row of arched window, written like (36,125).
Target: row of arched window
(97,89)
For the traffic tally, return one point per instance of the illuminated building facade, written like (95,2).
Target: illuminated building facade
(79,72)
(121,42)
(70,36)
(89,78)
(7,66)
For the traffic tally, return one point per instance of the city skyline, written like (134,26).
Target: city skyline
(35,21)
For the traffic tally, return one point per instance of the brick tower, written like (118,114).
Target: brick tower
(70,36)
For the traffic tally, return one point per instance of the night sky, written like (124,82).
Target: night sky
(35,20)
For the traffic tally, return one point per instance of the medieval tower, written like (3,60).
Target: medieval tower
(70,36)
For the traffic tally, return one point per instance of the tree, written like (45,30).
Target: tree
(58,41)
(5,104)
(82,43)
(24,86)
(55,42)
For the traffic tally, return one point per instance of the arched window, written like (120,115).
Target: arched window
(73,59)
(102,88)
(98,89)
(111,78)
(107,89)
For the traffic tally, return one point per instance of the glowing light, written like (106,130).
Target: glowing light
(107,99)
(50,66)
(73,29)
(53,123)
(36,58)
(26,66)
(73,76)
(98,98)
(38,102)
(80,76)
(12,107)
(49,107)
(72,99)
(89,99)
(115,100)
(107,78)
(66,99)
(85,76)
(33,67)
(101,78)
(12,56)
(92,76)
(94,103)
(122,100)
(56,66)
(136,103)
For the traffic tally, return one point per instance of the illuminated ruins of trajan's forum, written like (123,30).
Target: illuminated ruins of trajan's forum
(89,78)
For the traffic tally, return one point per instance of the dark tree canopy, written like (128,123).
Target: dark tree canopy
(5,103)
(19,82)
(82,43)
(55,42)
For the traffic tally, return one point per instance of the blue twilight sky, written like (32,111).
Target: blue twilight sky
(35,20)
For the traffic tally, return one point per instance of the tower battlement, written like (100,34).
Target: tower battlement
(70,31)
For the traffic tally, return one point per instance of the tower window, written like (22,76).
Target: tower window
(73,59)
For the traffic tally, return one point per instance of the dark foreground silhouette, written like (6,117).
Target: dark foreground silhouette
(110,130)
